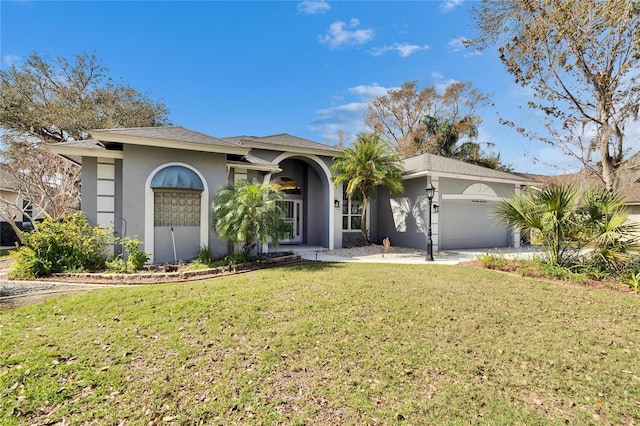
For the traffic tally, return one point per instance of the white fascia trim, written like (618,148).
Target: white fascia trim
(293,149)
(149,231)
(465,177)
(249,166)
(166,143)
(86,152)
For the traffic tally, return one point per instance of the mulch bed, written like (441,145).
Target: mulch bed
(591,283)
(170,273)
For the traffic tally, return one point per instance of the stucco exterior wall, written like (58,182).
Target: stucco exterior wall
(401,220)
(457,186)
(89,188)
(139,162)
(404,219)
(634,216)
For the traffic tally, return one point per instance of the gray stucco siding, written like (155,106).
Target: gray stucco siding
(403,220)
(184,237)
(89,189)
(138,164)
(460,223)
(457,186)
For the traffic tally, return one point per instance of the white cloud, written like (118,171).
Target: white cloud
(309,7)
(441,85)
(9,60)
(404,49)
(369,92)
(457,45)
(632,136)
(348,116)
(449,5)
(342,35)
(437,75)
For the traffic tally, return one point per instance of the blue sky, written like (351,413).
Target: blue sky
(267,67)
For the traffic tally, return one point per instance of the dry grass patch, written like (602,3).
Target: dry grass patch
(326,344)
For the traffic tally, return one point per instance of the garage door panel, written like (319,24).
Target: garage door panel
(465,224)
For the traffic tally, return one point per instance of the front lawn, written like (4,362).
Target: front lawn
(326,344)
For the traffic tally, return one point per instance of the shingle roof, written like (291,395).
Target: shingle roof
(7,179)
(436,163)
(177,133)
(88,143)
(285,140)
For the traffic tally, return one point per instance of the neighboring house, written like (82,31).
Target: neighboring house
(12,206)
(158,183)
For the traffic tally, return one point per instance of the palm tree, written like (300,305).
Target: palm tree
(445,134)
(565,221)
(547,212)
(367,164)
(246,212)
(603,217)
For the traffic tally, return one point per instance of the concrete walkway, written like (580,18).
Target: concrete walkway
(417,257)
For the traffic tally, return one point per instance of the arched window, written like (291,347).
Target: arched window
(177,193)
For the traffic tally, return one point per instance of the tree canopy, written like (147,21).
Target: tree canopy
(47,101)
(581,59)
(57,100)
(418,121)
(364,166)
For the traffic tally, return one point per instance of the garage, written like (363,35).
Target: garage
(469,223)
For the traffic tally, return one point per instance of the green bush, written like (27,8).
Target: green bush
(564,273)
(493,261)
(135,258)
(67,245)
(204,256)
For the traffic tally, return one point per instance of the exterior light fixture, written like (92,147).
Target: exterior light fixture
(336,204)
(431,192)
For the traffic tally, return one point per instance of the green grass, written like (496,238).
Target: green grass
(326,344)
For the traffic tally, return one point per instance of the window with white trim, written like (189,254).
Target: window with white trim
(351,211)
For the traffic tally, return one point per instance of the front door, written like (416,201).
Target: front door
(293,216)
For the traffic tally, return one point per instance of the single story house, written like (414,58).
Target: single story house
(13,207)
(158,183)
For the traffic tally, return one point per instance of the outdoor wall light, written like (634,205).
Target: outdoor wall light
(436,208)
(336,204)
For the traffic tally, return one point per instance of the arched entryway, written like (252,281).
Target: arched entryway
(312,198)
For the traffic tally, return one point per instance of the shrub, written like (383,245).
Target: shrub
(493,261)
(564,273)
(65,245)
(204,256)
(135,258)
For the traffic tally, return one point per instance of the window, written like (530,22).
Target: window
(27,208)
(176,208)
(351,211)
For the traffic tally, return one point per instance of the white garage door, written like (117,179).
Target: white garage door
(466,224)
